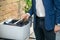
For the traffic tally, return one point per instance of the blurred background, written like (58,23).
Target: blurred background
(13,8)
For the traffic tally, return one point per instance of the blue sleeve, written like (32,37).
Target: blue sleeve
(31,10)
(57,6)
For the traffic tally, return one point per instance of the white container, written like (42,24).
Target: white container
(15,32)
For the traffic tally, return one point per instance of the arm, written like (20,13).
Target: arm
(57,6)
(31,10)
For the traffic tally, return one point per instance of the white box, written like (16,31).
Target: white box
(15,32)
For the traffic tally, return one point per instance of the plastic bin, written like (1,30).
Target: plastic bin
(16,32)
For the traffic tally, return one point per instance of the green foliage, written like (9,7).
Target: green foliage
(28,6)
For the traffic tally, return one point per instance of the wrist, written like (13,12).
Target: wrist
(28,14)
(57,25)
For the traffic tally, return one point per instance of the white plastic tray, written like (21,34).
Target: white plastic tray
(15,32)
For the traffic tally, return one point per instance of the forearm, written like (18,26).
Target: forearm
(30,12)
(57,6)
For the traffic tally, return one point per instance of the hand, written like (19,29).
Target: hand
(25,17)
(57,28)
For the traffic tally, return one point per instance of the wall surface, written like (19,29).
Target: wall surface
(11,9)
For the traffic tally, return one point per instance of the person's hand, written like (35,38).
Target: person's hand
(57,28)
(25,16)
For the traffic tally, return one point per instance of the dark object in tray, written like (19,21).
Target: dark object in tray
(20,23)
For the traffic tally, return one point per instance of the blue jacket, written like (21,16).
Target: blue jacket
(52,12)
